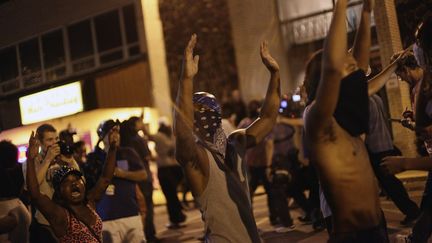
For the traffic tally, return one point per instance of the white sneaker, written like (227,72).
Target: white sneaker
(285,229)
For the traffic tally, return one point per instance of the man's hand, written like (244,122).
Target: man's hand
(267,59)
(393,164)
(33,149)
(400,54)
(119,172)
(52,153)
(368,5)
(397,56)
(114,137)
(190,62)
(408,114)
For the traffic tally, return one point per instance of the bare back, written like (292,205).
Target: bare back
(346,177)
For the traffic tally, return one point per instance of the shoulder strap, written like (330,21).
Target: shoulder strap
(88,227)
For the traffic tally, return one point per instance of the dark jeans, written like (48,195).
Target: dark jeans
(392,185)
(281,192)
(314,198)
(146,188)
(280,202)
(329,224)
(41,233)
(373,235)
(427,194)
(258,175)
(313,185)
(422,230)
(377,234)
(169,178)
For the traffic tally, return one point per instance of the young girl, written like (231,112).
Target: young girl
(71,211)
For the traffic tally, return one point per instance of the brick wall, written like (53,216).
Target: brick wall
(397,92)
(211,22)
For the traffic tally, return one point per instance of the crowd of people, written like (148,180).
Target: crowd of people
(222,152)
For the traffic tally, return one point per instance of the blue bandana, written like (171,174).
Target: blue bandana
(208,120)
(207,114)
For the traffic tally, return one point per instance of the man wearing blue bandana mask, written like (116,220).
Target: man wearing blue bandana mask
(211,161)
(208,120)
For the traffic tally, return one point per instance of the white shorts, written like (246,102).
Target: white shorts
(129,229)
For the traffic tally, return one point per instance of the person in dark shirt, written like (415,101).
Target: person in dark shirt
(379,144)
(118,207)
(130,138)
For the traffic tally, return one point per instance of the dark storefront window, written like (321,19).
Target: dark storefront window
(130,24)
(108,31)
(8,64)
(30,56)
(53,49)
(80,40)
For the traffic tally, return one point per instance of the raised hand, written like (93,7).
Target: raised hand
(393,164)
(368,5)
(190,62)
(33,149)
(267,59)
(114,137)
(399,55)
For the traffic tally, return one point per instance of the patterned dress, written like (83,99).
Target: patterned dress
(78,232)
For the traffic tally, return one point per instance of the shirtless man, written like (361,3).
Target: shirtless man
(334,124)
(211,161)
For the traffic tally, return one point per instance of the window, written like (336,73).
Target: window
(54,55)
(130,24)
(108,36)
(307,21)
(100,41)
(80,40)
(8,64)
(30,62)
(30,56)
(53,49)
(108,31)
(291,9)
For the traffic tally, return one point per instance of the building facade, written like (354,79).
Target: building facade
(100,44)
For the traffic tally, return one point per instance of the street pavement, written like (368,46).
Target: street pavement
(193,228)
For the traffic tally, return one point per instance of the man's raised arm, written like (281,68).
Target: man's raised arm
(269,111)
(334,57)
(377,82)
(362,42)
(184,110)
(96,193)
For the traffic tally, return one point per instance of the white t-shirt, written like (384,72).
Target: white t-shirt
(20,234)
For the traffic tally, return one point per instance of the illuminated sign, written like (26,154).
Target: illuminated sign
(52,103)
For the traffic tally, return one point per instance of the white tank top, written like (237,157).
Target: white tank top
(225,203)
